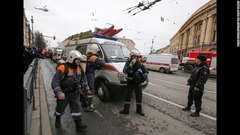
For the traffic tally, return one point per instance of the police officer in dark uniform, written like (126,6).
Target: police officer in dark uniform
(196,81)
(134,70)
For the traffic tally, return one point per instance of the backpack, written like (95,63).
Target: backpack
(137,77)
(140,76)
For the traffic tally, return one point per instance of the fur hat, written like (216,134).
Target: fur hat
(202,57)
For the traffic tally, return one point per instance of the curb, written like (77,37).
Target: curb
(40,122)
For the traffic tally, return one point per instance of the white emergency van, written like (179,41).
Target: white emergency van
(110,79)
(164,62)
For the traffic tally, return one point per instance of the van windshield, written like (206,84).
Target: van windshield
(116,53)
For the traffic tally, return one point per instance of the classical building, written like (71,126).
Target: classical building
(27,36)
(198,33)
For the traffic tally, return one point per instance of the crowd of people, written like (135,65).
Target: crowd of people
(76,87)
(30,53)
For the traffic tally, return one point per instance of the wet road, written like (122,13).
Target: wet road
(163,99)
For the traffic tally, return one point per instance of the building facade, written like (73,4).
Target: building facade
(27,36)
(198,33)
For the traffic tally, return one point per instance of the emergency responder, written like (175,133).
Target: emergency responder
(67,89)
(134,70)
(196,81)
(93,63)
(51,55)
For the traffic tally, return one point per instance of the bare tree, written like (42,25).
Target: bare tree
(39,40)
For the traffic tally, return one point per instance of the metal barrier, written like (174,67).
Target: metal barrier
(29,84)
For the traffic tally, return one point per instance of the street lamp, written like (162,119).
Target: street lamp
(151,51)
(32,31)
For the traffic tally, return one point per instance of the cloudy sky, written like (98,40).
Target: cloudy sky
(69,17)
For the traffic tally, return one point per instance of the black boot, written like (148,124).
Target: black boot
(79,125)
(58,121)
(195,114)
(187,108)
(126,109)
(139,110)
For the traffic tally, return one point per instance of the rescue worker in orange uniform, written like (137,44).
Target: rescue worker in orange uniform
(93,63)
(134,70)
(67,89)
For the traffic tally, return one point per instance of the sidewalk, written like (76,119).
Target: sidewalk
(40,122)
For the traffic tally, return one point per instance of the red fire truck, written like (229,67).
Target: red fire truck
(187,62)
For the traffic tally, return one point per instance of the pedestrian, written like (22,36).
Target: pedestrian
(67,89)
(93,63)
(135,71)
(196,82)
(40,52)
(51,55)
(35,53)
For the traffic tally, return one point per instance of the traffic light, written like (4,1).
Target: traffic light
(54,37)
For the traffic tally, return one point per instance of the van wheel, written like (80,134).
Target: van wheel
(103,92)
(162,70)
(188,68)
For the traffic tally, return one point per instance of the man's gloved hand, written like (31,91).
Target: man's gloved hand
(83,58)
(85,90)
(132,62)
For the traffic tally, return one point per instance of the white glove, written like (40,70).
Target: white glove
(83,58)
(132,62)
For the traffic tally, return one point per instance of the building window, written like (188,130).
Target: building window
(198,40)
(197,33)
(199,27)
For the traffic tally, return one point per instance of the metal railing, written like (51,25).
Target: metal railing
(29,85)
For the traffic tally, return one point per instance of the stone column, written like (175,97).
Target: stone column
(209,30)
(191,36)
(203,31)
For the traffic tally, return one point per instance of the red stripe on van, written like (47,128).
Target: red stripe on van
(109,67)
(156,63)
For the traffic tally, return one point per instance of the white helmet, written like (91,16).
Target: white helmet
(133,53)
(60,62)
(93,48)
(73,55)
